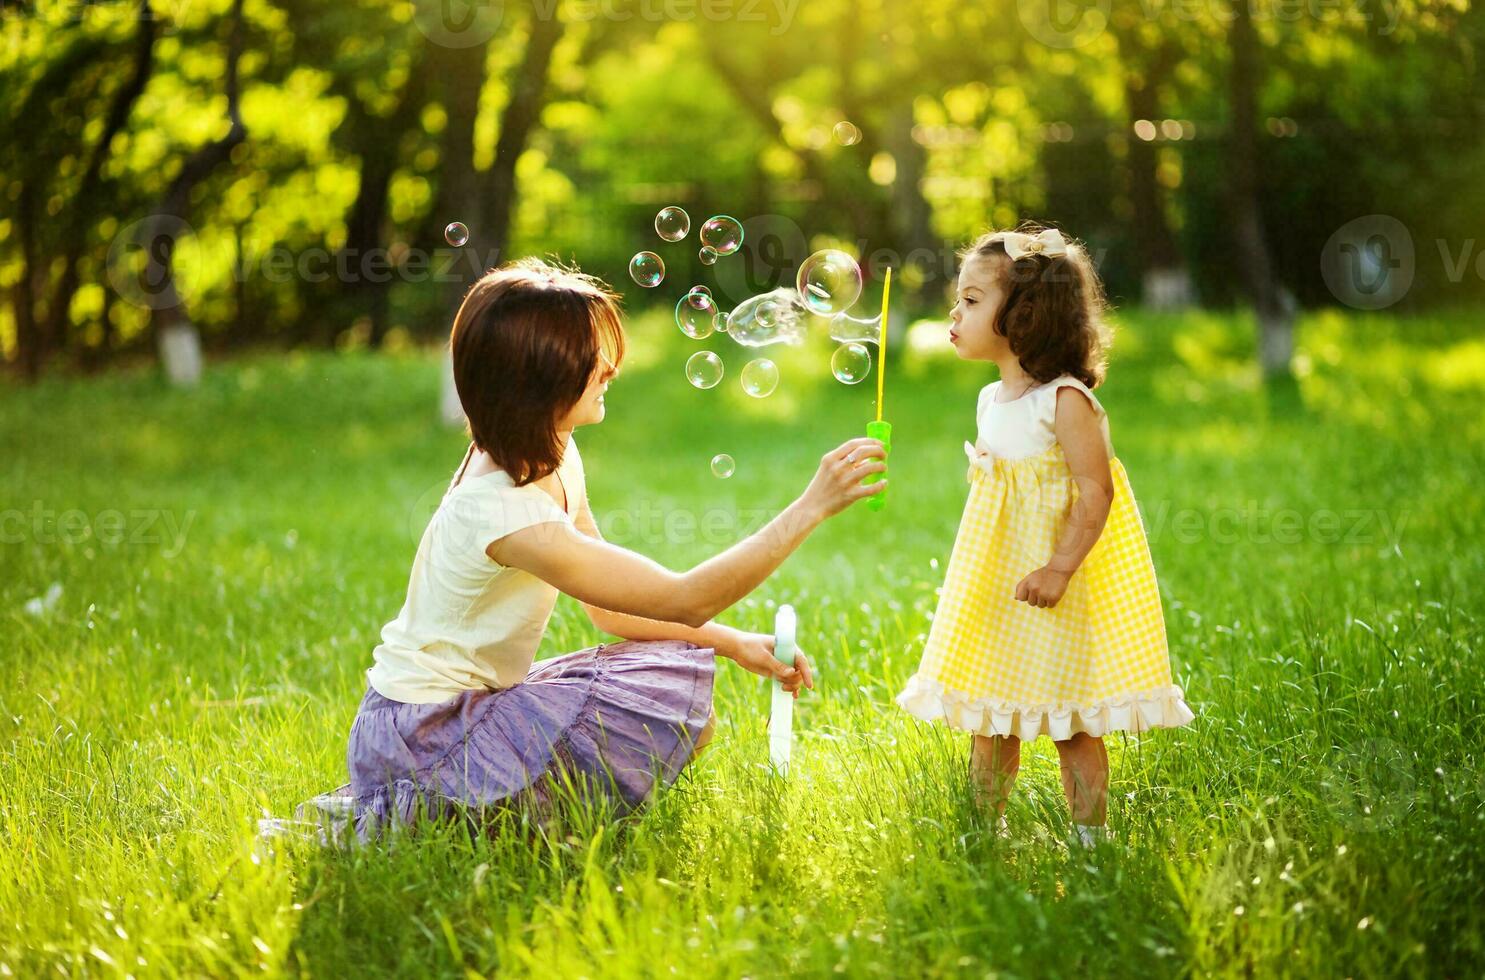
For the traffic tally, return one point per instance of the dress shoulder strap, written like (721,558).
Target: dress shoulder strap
(1068,381)
(1049,407)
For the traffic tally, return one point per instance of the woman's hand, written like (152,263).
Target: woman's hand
(1043,587)
(837,483)
(754,653)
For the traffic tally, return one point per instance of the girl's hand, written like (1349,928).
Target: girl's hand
(1043,587)
(754,653)
(837,483)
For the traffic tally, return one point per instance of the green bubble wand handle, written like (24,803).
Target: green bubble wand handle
(880,429)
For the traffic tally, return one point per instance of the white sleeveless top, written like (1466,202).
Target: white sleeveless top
(469,622)
(1025,426)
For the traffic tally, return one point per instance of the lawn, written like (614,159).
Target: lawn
(227,556)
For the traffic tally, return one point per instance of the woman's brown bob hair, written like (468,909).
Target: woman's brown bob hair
(528,339)
(1054,314)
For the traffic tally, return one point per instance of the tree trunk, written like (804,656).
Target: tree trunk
(1272,305)
(177,338)
(27,338)
(1166,280)
(463,73)
(527,98)
(83,207)
(493,192)
(377,143)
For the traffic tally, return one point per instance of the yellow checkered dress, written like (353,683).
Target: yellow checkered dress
(1095,662)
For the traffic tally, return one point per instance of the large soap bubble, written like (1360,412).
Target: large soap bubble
(672,223)
(777,317)
(760,377)
(829,282)
(723,233)
(851,364)
(693,314)
(704,369)
(647,269)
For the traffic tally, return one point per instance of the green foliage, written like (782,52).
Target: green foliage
(968,119)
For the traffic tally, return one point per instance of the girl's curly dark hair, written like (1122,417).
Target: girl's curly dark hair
(1055,313)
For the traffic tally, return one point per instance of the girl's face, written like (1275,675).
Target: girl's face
(589,408)
(980,295)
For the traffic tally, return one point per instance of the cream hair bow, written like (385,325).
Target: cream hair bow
(1049,243)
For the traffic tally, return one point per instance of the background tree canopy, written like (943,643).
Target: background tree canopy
(281,172)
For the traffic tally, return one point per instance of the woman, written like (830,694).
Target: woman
(455,716)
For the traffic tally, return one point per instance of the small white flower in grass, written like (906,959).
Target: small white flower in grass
(1239,910)
(1365,922)
(1340,849)
(1269,844)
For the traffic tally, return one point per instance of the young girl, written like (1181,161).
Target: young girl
(1049,622)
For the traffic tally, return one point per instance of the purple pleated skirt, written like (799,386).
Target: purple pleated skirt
(615,718)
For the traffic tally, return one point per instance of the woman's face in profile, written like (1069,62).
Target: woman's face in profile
(589,409)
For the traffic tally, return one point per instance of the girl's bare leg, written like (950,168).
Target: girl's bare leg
(704,736)
(994,761)
(1085,778)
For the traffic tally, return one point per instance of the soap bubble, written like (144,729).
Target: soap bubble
(646,269)
(719,322)
(723,233)
(829,281)
(847,133)
(693,314)
(723,466)
(760,377)
(672,223)
(850,363)
(704,369)
(777,317)
(846,328)
(456,234)
(703,290)
(707,255)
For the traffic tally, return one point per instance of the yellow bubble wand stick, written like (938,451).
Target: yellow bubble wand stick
(880,429)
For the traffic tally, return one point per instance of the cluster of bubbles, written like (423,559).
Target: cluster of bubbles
(826,286)
(720,235)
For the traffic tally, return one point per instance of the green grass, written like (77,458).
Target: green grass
(1323,816)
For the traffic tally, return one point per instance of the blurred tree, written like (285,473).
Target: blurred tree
(1272,303)
(1181,144)
(1149,53)
(178,338)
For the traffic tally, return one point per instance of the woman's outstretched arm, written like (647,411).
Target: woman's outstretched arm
(752,651)
(601,574)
